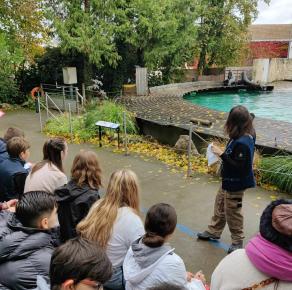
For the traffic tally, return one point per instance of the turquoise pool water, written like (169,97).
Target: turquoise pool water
(271,105)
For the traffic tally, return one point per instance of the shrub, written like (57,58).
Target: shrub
(111,112)
(277,170)
(84,126)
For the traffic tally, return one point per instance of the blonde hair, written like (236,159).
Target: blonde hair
(122,190)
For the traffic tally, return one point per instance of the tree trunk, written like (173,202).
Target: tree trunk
(202,61)
(140,57)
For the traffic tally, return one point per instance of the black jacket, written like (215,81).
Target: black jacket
(24,253)
(74,203)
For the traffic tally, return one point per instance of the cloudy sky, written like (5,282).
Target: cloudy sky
(279,11)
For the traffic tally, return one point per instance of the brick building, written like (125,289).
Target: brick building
(270,41)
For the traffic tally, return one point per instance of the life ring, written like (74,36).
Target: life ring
(36,90)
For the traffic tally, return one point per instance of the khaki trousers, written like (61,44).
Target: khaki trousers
(228,208)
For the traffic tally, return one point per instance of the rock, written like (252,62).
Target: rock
(181,146)
(6,106)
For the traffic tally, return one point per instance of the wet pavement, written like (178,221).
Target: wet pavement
(193,198)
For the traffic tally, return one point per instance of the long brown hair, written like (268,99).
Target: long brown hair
(52,154)
(239,122)
(86,169)
(122,190)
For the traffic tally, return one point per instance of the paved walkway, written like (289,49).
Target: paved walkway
(193,198)
(167,107)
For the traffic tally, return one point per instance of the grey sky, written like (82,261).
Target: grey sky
(278,12)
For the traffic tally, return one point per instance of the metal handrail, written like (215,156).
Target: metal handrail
(47,96)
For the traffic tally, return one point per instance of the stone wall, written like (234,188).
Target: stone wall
(279,69)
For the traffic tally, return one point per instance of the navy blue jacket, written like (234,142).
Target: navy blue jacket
(25,253)
(237,171)
(8,169)
(3,152)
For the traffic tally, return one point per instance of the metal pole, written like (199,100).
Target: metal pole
(83,94)
(40,113)
(125,134)
(77,101)
(64,102)
(190,150)
(70,122)
(47,106)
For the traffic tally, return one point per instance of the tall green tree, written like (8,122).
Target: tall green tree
(10,59)
(222,32)
(161,32)
(24,24)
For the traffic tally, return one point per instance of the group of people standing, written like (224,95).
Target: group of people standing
(66,234)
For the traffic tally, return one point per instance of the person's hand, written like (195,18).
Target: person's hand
(200,276)
(10,205)
(216,150)
(190,276)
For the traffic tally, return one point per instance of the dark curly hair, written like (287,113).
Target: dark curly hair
(268,232)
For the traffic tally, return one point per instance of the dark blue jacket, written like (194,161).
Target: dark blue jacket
(3,152)
(237,170)
(25,253)
(8,169)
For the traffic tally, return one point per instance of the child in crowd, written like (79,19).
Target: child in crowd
(28,237)
(114,222)
(150,260)
(18,150)
(10,133)
(237,176)
(78,264)
(76,198)
(266,261)
(48,174)
(94,267)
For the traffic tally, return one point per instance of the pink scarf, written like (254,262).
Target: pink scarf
(270,259)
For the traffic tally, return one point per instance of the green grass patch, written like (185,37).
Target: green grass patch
(84,126)
(277,170)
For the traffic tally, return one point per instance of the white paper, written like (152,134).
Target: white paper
(196,285)
(211,157)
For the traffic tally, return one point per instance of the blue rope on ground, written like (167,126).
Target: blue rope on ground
(191,233)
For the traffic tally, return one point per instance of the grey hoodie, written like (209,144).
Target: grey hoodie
(145,267)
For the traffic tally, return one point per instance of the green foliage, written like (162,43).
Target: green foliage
(277,170)
(60,126)
(23,22)
(111,112)
(222,33)
(88,27)
(84,125)
(10,57)
(160,34)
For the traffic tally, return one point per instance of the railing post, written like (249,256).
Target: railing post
(190,150)
(125,134)
(83,94)
(64,98)
(70,122)
(77,100)
(47,105)
(40,113)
